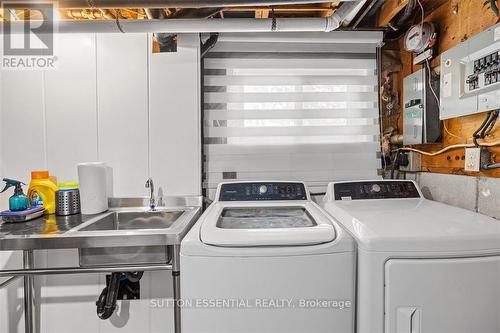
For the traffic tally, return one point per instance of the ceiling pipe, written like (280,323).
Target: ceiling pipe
(343,15)
(309,24)
(348,11)
(167,41)
(171,3)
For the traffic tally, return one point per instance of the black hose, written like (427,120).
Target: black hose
(134,276)
(106,303)
(398,28)
(396,160)
(209,44)
(373,8)
(406,15)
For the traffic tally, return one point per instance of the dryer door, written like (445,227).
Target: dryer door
(442,295)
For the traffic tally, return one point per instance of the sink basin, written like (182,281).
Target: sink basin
(139,219)
(135,220)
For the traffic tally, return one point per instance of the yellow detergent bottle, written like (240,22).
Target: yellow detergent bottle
(42,191)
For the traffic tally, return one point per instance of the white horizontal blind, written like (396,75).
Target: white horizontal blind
(291,107)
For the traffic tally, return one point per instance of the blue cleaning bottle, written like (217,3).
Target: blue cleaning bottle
(19,201)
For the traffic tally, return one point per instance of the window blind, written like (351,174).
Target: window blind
(285,106)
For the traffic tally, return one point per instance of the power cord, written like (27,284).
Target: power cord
(445,149)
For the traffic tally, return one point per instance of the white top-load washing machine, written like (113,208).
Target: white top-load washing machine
(422,266)
(264,258)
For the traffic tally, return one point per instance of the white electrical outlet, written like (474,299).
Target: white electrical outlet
(472,159)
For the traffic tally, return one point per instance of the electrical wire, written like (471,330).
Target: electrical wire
(485,128)
(492,124)
(476,135)
(422,22)
(445,149)
(435,153)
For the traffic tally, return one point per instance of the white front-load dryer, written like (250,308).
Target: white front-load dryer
(423,266)
(265,258)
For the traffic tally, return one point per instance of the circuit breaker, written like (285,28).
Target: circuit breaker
(470,75)
(421,109)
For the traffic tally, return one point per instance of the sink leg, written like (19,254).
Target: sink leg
(177,288)
(28,263)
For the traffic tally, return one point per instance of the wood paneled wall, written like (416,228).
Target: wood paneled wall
(458,20)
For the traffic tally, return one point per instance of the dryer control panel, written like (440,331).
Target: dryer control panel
(375,190)
(262,191)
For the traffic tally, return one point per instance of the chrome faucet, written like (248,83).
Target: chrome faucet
(151,186)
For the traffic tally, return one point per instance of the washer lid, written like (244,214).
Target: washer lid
(416,225)
(279,224)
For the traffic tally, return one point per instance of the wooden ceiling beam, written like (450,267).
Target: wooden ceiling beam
(389,10)
(330,8)
(262,13)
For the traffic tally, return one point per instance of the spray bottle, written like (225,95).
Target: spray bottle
(19,201)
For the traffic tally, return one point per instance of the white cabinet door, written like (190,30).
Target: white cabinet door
(174,109)
(122,87)
(22,134)
(443,295)
(70,102)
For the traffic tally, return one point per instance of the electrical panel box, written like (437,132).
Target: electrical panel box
(421,109)
(470,76)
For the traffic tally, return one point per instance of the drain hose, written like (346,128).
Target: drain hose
(106,303)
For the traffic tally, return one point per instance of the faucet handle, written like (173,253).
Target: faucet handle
(150,185)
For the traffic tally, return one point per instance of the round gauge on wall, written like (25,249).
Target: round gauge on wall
(420,37)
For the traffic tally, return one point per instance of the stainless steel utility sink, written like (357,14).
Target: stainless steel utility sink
(133,223)
(129,223)
(135,220)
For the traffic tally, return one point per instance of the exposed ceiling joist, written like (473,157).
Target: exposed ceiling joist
(389,10)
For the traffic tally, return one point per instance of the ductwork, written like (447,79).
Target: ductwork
(188,25)
(172,3)
(343,15)
(167,41)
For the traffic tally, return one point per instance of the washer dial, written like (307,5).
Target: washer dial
(263,189)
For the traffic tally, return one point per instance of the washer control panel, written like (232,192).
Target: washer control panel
(261,191)
(386,189)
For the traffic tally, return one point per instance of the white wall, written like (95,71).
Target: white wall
(478,194)
(111,100)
